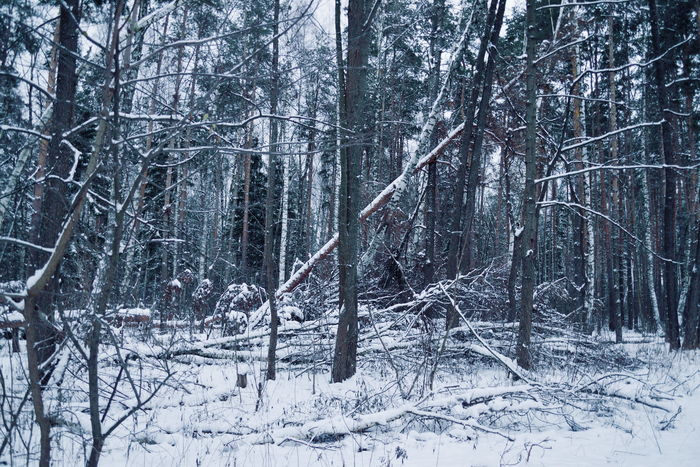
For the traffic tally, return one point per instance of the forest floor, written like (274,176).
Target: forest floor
(638,405)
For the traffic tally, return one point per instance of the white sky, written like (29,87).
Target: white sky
(325,11)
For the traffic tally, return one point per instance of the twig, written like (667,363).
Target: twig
(467,423)
(505,361)
(305,443)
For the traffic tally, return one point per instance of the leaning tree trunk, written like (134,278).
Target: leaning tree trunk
(475,156)
(465,156)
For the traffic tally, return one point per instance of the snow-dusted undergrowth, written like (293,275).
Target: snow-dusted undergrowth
(643,408)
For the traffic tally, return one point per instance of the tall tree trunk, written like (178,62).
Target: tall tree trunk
(436,20)
(183,168)
(345,355)
(310,231)
(578,218)
(589,301)
(649,248)
(515,245)
(51,206)
(669,230)
(529,233)
(106,274)
(616,257)
(47,222)
(43,126)
(475,156)
(170,200)
(246,203)
(270,269)
(465,155)
(285,219)
(691,311)
(247,165)
(141,194)
(341,120)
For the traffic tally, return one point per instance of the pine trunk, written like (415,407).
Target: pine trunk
(529,233)
(345,356)
(669,216)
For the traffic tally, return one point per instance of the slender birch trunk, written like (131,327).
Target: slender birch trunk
(285,221)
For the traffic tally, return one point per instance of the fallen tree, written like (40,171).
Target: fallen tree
(381,200)
(333,427)
(456,406)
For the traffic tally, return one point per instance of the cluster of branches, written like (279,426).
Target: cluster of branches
(192,144)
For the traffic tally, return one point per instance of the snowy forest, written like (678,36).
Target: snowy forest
(349,232)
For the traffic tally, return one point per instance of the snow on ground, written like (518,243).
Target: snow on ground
(202,418)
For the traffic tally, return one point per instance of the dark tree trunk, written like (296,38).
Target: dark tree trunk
(691,312)
(438,13)
(53,207)
(245,232)
(615,278)
(669,230)
(345,356)
(270,266)
(464,157)
(529,233)
(474,155)
(51,211)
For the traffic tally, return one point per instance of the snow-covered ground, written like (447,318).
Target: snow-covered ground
(201,418)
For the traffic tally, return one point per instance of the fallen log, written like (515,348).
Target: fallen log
(343,425)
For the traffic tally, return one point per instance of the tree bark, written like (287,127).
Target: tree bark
(616,253)
(106,274)
(141,194)
(43,126)
(691,312)
(51,207)
(245,232)
(436,20)
(285,220)
(464,156)
(578,218)
(268,255)
(474,155)
(345,355)
(669,231)
(529,233)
